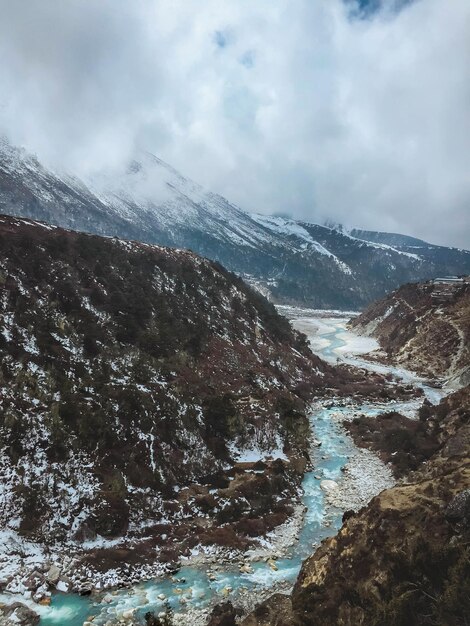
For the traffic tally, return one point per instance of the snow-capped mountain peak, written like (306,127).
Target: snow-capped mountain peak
(290,260)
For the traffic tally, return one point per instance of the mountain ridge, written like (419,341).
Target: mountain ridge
(132,380)
(291,261)
(425,327)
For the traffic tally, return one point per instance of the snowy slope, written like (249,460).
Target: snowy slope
(291,261)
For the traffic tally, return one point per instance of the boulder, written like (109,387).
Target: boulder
(18,614)
(329,486)
(85,589)
(53,574)
(458,510)
(223,615)
(63,585)
(34,580)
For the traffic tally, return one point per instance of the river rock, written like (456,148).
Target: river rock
(85,589)
(34,580)
(53,574)
(329,486)
(18,614)
(223,615)
(42,597)
(63,585)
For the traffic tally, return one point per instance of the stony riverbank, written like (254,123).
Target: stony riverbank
(38,574)
(364,476)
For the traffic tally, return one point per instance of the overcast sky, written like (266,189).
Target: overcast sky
(356,112)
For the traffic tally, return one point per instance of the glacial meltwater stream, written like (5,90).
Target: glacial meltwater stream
(331,341)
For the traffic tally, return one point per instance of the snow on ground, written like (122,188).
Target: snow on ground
(318,329)
(291,228)
(255,453)
(355,344)
(16,551)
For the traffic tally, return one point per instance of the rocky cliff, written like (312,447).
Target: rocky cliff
(424,327)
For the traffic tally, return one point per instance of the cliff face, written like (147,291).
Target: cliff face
(133,380)
(402,560)
(424,327)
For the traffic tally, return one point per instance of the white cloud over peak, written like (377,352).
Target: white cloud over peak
(290,106)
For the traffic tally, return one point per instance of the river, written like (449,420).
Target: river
(331,340)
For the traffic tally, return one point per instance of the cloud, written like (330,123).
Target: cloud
(353,111)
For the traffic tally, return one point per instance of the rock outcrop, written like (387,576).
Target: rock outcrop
(18,614)
(424,327)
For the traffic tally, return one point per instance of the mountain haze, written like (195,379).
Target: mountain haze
(290,261)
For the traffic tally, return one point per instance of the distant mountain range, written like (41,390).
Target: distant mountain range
(289,261)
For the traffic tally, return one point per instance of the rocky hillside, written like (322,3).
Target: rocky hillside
(404,559)
(135,382)
(290,261)
(425,327)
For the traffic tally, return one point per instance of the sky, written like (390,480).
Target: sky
(352,111)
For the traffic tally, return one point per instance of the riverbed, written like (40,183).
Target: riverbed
(358,475)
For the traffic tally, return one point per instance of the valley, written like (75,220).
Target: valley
(234,313)
(207,577)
